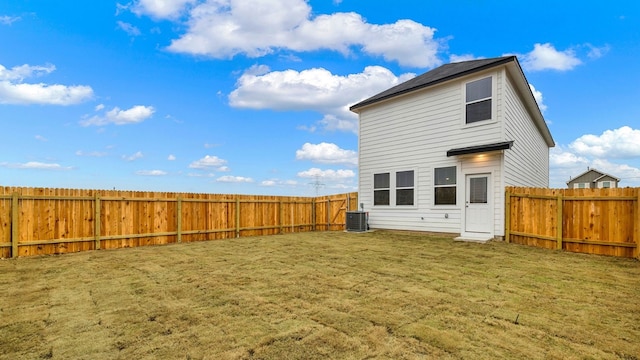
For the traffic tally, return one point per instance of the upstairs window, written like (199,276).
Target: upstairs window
(478,100)
(404,188)
(445,186)
(381,185)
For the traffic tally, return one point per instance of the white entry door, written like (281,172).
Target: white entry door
(478,216)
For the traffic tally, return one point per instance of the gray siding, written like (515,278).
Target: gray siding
(589,178)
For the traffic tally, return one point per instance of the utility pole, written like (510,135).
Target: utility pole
(317,184)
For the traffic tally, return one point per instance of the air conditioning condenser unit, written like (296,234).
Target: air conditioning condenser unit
(356,221)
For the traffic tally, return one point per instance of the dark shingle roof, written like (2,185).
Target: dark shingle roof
(443,73)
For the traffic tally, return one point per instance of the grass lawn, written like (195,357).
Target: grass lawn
(377,295)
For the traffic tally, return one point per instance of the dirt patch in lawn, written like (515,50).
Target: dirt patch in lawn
(321,295)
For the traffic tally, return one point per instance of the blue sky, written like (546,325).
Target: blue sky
(252,97)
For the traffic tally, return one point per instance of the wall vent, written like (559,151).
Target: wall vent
(356,221)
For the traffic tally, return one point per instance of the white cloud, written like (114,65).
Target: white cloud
(563,165)
(329,175)
(128,28)
(234,179)
(222,29)
(314,89)
(596,52)
(151,173)
(14,91)
(135,114)
(406,41)
(590,151)
(464,57)
(171,157)
(628,175)
(161,9)
(201,174)
(546,57)
(136,156)
(36,165)
(19,73)
(91,153)
(618,143)
(23,94)
(538,96)
(333,123)
(277,182)
(208,162)
(99,107)
(41,138)
(327,153)
(8,20)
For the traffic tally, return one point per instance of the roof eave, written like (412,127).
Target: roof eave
(530,100)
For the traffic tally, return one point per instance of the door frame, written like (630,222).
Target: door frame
(490,203)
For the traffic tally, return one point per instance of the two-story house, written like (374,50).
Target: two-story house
(436,152)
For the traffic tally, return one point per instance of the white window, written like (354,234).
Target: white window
(404,187)
(580,186)
(445,185)
(605,184)
(478,100)
(381,186)
(394,188)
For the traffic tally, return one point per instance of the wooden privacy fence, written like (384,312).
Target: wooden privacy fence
(38,221)
(595,221)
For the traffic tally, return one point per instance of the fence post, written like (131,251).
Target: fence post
(179,220)
(96,221)
(328,214)
(507,215)
(14,225)
(559,222)
(280,211)
(637,222)
(313,213)
(237,216)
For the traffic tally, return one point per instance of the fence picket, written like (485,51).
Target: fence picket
(53,221)
(596,221)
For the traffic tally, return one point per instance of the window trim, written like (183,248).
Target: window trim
(393,198)
(387,189)
(455,186)
(493,117)
(412,187)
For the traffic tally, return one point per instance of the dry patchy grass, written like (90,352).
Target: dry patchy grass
(378,295)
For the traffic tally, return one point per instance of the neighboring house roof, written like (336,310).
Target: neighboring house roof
(452,71)
(602,175)
(607,175)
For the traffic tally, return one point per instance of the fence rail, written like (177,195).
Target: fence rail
(595,221)
(38,221)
